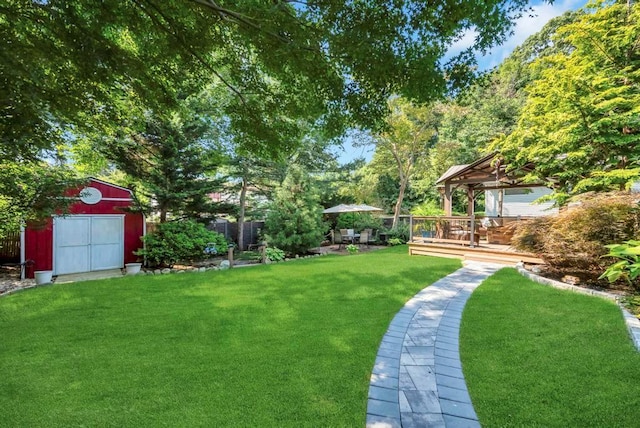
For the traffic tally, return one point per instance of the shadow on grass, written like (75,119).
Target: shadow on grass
(288,344)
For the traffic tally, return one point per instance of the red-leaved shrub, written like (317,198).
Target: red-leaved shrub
(574,239)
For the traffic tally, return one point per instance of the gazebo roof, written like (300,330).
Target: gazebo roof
(488,172)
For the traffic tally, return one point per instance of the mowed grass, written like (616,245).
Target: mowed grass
(290,344)
(534,356)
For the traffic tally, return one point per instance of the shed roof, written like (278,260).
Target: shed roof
(106,183)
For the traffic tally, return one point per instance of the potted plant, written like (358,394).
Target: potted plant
(132,268)
(43,276)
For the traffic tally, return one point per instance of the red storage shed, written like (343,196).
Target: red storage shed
(100,232)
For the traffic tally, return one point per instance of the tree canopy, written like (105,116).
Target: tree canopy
(71,62)
(581,121)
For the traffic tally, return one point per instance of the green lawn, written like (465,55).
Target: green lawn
(290,344)
(536,356)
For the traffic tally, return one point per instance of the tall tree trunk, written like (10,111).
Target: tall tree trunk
(243,199)
(163,215)
(396,210)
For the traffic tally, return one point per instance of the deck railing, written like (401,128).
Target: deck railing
(464,230)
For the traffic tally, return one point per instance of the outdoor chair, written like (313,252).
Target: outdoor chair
(364,238)
(371,238)
(337,238)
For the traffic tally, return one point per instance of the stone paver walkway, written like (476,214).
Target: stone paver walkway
(417,378)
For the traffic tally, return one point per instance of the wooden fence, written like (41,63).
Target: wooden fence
(252,230)
(10,248)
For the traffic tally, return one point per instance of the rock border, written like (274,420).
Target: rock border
(27,284)
(632,322)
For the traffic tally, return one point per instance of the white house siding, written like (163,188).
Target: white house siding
(518,204)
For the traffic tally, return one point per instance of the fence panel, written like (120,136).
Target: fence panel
(10,247)
(251,235)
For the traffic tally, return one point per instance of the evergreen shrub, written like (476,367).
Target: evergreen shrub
(294,222)
(401,232)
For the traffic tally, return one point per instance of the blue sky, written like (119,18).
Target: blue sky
(524,27)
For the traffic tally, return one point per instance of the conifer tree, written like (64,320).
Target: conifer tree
(294,223)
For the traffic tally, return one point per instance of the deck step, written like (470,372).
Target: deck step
(499,259)
(475,254)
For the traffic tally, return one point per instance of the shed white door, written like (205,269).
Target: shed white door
(87,243)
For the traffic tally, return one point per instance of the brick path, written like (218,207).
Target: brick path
(417,379)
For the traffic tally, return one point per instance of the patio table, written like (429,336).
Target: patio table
(351,238)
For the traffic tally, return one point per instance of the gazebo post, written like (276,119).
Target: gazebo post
(470,201)
(447,198)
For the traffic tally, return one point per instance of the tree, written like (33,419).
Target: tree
(486,111)
(31,192)
(250,177)
(66,61)
(73,67)
(294,223)
(411,132)
(262,175)
(173,159)
(580,124)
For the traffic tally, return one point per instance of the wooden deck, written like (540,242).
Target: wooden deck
(483,252)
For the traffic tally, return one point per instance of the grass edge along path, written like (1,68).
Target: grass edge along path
(288,344)
(533,355)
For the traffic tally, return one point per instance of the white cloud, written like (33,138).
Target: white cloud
(464,42)
(527,25)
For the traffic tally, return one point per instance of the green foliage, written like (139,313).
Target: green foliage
(180,241)
(576,238)
(358,221)
(409,134)
(69,57)
(294,222)
(33,191)
(628,266)
(347,220)
(274,254)
(580,122)
(396,241)
(352,249)
(172,156)
(487,111)
(427,208)
(400,232)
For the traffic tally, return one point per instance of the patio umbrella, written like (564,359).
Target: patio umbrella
(350,208)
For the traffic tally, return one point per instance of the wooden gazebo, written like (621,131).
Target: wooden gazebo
(487,173)
(468,237)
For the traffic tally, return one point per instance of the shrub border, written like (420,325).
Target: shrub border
(632,322)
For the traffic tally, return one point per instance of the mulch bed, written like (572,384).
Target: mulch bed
(10,279)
